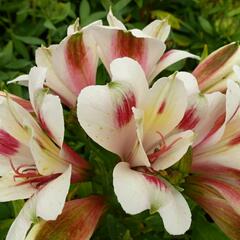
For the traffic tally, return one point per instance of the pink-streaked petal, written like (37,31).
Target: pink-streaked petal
(178,146)
(77,221)
(53,81)
(168,58)
(158,29)
(22,102)
(11,189)
(80,166)
(113,125)
(217,207)
(224,153)
(23,222)
(75,61)
(114,43)
(216,67)
(163,109)
(138,191)
(51,198)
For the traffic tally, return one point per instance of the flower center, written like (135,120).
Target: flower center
(29,174)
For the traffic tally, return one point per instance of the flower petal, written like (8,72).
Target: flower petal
(217,66)
(158,29)
(47,160)
(47,107)
(138,191)
(51,198)
(77,221)
(53,81)
(110,122)
(163,109)
(114,43)
(180,143)
(22,223)
(11,189)
(114,22)
(168,58)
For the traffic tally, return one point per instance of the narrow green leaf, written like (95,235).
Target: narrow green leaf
(30,40)
(120,5)
(84,10)
(206,26)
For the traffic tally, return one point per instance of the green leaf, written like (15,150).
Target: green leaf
(29,40)
(172,20)
(181,40)
(94,16)
(6,54)
(21,49)
(206,26)
(204,52)
(48,24)
(84,10)
(17,206)
(18,64)
(120,5)
(204,230)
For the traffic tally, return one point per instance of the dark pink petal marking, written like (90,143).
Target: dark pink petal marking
(190,120)
(124,110)
(124,44)
(218,123)
(235,140)
(155,181)
(79,62)
(8,144)
(162,107)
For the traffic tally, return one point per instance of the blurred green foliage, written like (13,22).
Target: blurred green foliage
(199,26)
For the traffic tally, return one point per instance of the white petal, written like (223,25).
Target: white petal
(22,223)
(138,191)
(114,22)
(10,190)
(51,198)
(168,59)
(51,113)
(47,162)
(176,214)
(182,141)
(190,82)
(164,108)
(159,29)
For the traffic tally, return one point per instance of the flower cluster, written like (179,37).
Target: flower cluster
(177,137)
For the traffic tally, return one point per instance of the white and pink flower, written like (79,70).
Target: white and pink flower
(135,122)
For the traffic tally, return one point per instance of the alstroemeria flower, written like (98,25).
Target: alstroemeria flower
(47,203)
(135,122)
(214,182)
(213,72)
(71,64)
(77,221)
(33,158)
(145,46)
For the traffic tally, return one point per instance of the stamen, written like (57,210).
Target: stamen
(30,175)
(163,148)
